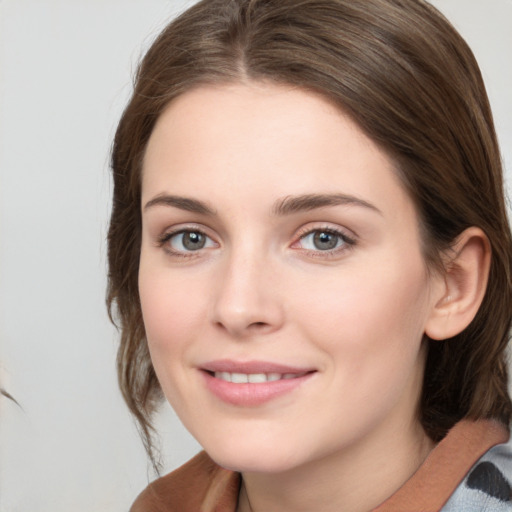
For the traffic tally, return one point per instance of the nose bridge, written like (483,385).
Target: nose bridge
(245,300)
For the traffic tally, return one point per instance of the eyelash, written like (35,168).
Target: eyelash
(348,242)
(165,238)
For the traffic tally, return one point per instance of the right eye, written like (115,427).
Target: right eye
(187,241)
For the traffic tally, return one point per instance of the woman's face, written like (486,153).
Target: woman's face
(282,284)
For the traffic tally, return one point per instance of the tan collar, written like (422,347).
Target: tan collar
(203,486)
(427,490)
(446,466)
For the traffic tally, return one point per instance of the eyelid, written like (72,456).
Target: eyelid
(348,237)
(167,234)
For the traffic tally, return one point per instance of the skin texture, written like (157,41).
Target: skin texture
(261,290)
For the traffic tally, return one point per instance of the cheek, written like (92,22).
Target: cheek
(170,309)
(372,335)
(370,318)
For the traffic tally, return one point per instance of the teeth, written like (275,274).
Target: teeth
(225,376)
(253,378)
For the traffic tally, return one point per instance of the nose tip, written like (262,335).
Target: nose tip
(241,326)
(246,303)
(242,316)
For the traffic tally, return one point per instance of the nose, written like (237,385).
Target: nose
(246,300)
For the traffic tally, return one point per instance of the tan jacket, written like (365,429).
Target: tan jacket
(200,485)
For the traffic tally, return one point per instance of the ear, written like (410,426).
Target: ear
(462,287)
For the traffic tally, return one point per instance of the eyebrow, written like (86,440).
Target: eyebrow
(306,202)
(282,207)
(183,203)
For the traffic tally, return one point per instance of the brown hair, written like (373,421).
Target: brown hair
(409,80)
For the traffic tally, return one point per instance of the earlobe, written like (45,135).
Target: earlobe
(464,284)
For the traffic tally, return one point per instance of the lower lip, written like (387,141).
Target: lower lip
(251,395)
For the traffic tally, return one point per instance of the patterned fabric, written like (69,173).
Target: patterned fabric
(488,485)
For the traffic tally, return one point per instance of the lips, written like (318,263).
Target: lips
(252,383)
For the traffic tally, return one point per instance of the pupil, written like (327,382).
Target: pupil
(325,241)
(193,241)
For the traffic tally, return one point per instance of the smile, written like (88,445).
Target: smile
(255,378)
(252,384)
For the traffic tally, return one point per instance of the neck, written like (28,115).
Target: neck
(357,479)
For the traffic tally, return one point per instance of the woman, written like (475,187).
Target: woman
(310,258)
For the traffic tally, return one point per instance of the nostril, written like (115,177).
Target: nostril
(258,324)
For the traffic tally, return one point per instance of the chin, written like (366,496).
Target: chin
(254,458)
(253,464)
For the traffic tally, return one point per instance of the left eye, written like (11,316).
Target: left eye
(323,240)
(187,241)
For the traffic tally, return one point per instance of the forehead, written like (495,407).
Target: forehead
(263,139)
(209,116)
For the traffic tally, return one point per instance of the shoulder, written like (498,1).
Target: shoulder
(180,491)
(487,486)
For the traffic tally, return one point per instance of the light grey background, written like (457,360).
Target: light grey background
(65,75)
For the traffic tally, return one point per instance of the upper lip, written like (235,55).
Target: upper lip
(249,367)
